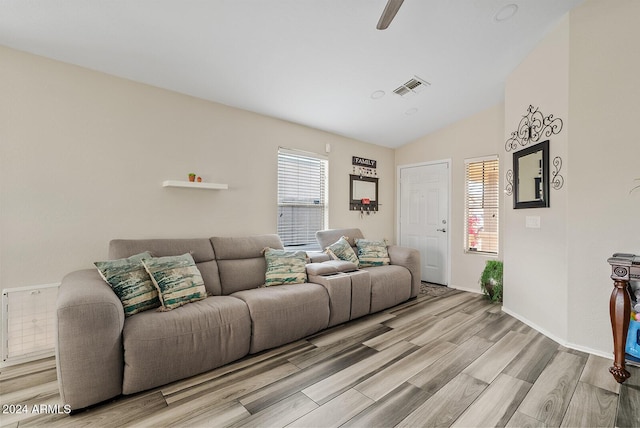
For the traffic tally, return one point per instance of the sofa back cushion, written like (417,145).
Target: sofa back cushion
(241,262)
(199,248)
(331,236)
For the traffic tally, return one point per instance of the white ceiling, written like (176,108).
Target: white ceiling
(313,62)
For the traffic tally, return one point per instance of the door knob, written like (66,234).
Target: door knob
(441,230)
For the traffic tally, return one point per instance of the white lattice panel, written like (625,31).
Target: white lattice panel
(28,322)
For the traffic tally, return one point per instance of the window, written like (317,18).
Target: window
(481,205)
(302,198)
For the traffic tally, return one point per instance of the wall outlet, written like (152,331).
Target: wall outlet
(532,222)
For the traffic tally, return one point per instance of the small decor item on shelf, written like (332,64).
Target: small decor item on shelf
(199,179)
(491,280)
(192,177)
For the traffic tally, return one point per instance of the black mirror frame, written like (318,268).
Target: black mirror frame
(356,204)
(544,202)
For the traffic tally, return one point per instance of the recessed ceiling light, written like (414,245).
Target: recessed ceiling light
(376,95)
(411,111)
(506,13)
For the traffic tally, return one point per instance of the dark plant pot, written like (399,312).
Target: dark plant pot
(489,286)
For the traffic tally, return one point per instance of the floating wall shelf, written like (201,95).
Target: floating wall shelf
(195,185)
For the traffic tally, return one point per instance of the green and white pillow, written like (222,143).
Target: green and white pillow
(177,280)
(372,253)
(341,250)
(131,283)
(285,267)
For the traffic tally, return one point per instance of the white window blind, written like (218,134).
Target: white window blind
(302,197)
(482,205)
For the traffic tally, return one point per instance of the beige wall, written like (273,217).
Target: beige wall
(535,260)
(604,151)
(83,156)
(585,72)
(476,136)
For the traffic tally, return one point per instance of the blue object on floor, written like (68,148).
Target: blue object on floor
(633,339)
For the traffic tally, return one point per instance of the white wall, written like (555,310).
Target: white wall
(476,136)
(83,156)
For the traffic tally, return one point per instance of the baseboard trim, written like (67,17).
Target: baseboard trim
(557,339)
(469,290)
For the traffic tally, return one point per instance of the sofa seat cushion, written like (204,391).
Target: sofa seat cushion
(390,285)
(162,347)
(285,313)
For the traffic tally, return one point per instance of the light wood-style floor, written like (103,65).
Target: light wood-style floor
(454,360)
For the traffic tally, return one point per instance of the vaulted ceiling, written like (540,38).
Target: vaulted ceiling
(320,63)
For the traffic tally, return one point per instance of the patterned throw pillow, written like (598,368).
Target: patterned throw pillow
(341,250)
(372,253)
(177,280)
(285,267)
(131,283)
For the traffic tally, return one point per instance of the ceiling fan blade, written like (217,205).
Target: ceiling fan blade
(389,13)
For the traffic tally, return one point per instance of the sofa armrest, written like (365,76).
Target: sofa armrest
(330,267)
(89,355)
(318,256)
(409,258)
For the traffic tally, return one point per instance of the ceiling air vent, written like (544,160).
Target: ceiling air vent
(411,87)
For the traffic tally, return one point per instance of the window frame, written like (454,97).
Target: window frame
(492,195)
(310,243)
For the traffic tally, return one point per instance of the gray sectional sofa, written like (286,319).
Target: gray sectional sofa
(101,354)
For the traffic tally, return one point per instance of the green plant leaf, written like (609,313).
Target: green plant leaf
(491,280)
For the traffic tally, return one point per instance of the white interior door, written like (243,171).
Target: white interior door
(424,217)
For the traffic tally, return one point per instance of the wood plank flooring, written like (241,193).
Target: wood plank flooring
(453,360)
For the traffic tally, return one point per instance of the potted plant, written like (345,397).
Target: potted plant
(491,280)
(192,177)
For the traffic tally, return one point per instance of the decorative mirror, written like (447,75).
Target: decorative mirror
(531,174)
(363,193)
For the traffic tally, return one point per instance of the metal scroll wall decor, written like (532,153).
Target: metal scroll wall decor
(509,187)
(557,181)
(532,127)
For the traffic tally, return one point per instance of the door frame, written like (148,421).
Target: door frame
(399,169)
